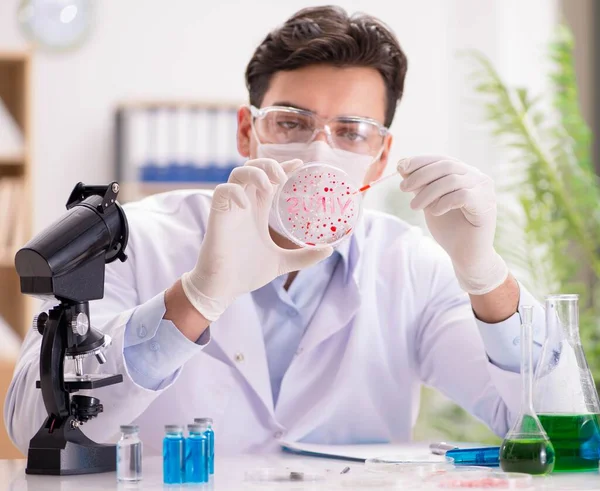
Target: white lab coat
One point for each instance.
(358, 372)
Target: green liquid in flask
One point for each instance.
(528, 456)
(576, 440)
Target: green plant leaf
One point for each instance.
(555, 237)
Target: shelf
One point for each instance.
(179, 104)
(131, 191)
(7, 261)
(12, 159)
(13, 56)
(170, 186)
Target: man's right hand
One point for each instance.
(237, 254)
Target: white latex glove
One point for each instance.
(459, 203)
(237, 254)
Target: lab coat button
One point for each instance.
(239, 357)
(142, 331)
(154, 346)
(292, 312)
(278, 434)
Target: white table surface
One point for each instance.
(230, 476)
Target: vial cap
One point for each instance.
(129, 429)
(196, 428)
(203, 421)
(173, 428)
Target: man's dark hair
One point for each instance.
(328, 35)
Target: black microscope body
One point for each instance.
(66, 261)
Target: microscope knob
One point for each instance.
(80, 324)
(100, 357)
(39, 322)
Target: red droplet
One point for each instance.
(326, 189)
(339, 219)
(324, 225)
(347, 192)
(333, 229)
(310, 243)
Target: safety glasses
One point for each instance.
(281, 124)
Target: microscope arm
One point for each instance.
(52, 355)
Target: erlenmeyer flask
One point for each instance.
(565, 396)
(526, 447)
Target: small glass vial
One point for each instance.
(210, 434)
(129, 455)
(196, 456)
(173, 455)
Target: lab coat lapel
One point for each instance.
(239, 335)
(340, 302)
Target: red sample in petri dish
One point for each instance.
(318, 206)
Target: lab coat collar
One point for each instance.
(351, 251)
(342, 298)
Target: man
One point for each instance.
(216, 314)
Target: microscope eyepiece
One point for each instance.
(61, 260)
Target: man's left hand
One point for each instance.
(459, 203)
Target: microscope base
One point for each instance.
(68, 451)
(73, 459)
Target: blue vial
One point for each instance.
(173, 455)
(196, 455)
(210, 434)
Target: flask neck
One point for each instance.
(562, 317)
(526, 369)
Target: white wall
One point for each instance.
(145, 49)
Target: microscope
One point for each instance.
(66, 262)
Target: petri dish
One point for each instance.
(279, 476)
(318, 206)
(459, 479)
(410, 463)
(380, 482)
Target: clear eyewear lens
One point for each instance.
(289, 126)
(285, 127)
(357, 136)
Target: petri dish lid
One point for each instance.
(318, 206)
(380, 482)
(273, 475)
(407, 460)
(458, 479)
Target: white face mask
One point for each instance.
(354, 164)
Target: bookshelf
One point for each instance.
(15, 168)
(163, 145)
